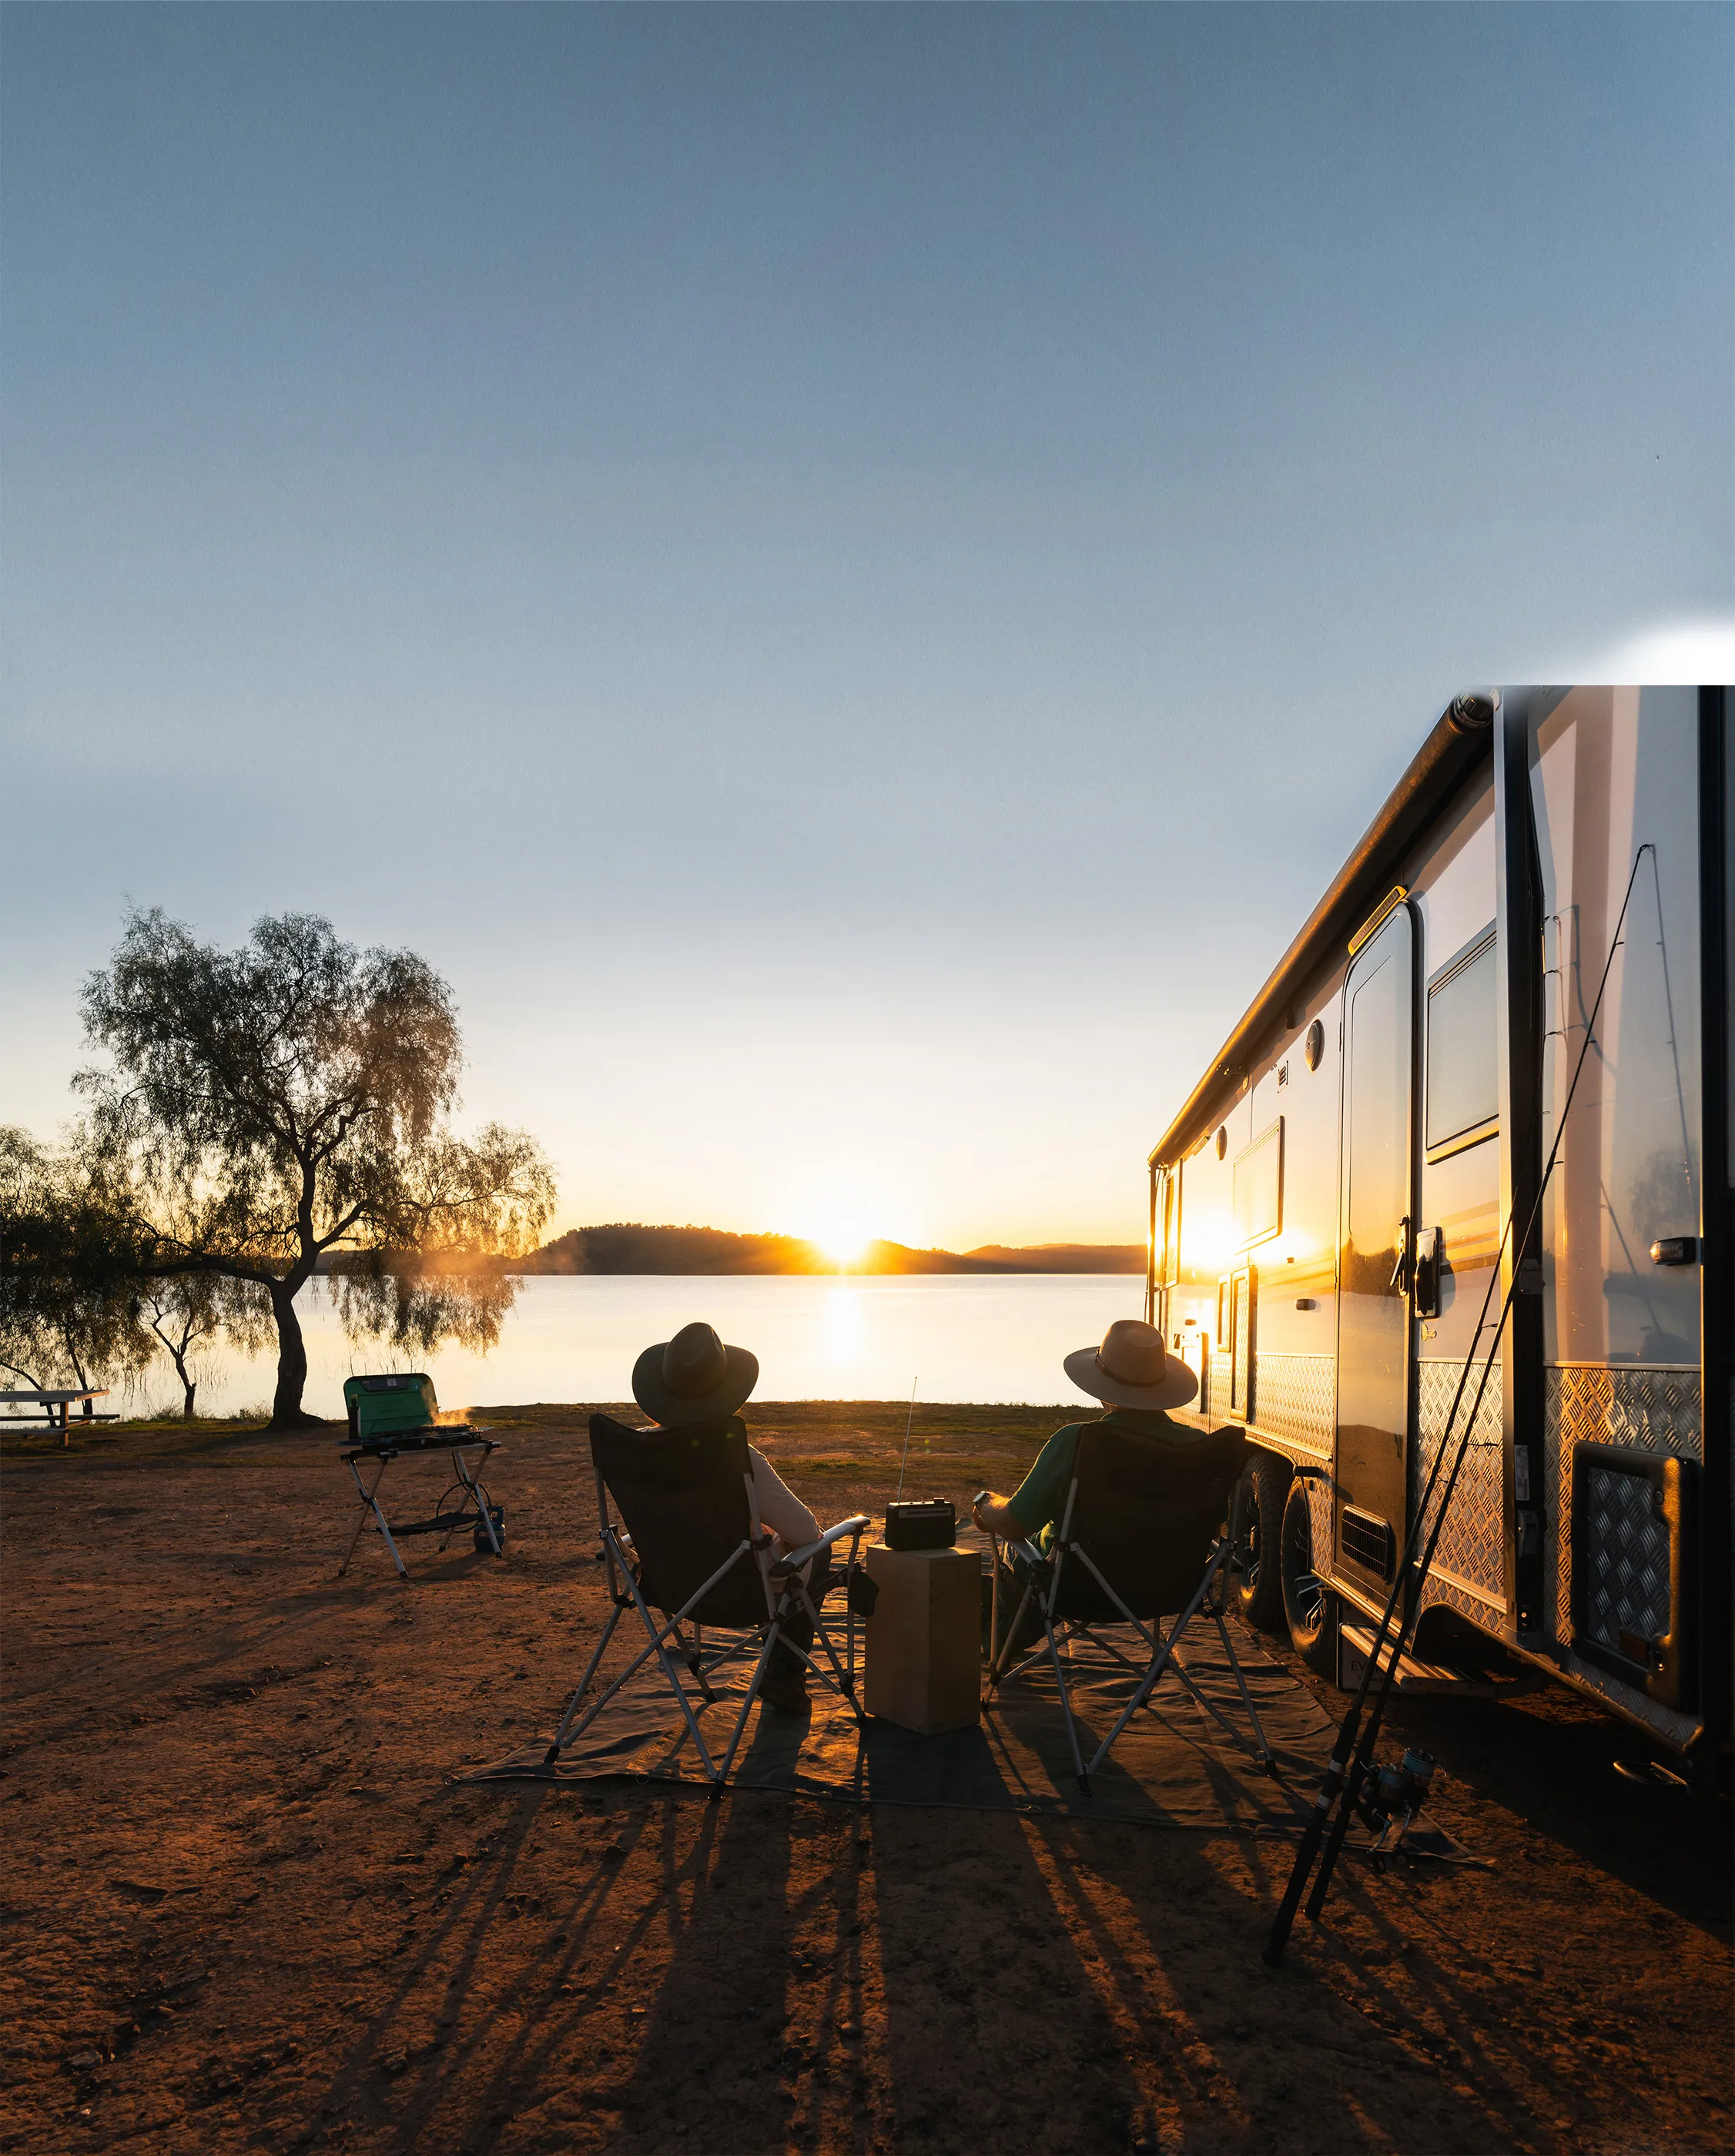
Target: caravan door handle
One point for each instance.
(1406, 1256)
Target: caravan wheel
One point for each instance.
(1309, 1606)
(1258, 1589)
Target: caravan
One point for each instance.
(1326, 1209)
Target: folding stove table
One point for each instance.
(391, 1416)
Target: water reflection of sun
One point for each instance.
(843, 1324)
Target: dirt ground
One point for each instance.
(246, 1905)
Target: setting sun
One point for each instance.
(844, 1238)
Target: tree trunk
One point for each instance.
(286, 1409)
(177, 1356)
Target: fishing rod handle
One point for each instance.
(1283, 1922)
(1333, 1849)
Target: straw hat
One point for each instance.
(1132, 1368)
(693, 1377)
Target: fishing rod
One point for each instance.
(1341, 1786)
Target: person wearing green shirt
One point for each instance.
(1137, 1380)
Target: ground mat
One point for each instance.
(1174, 1765)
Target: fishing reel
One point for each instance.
(1390, 1796)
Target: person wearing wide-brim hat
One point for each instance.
(695, 1381)
(1137, 1380)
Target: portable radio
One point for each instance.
(920, 1523)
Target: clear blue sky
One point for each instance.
(847, 574)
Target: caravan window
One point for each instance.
(1463, 1063)
(1257, 1187)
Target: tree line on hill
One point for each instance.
(626, 1246)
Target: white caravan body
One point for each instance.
(1327, 1208)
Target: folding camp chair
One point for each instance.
(1137, 1518)
(391, 1416)
(688, 1545)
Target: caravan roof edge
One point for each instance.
(1461, 738)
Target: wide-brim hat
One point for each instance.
(1132, 1368)
(693, 1377)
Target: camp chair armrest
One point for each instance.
(1014, 1546)
(794, 1560)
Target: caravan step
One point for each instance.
(1355, 1646)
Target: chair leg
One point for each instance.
(773, 1634)
(1160, 1661)
(1054, 1654)
(1003, 1648)
(695, 1663)
(846, 1684)
(654, 1647)
(590, 1669)
(657, 1636)
(1262, 1754)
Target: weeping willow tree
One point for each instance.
(69, 1271)
(269, 1112)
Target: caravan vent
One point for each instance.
(1367, 1540)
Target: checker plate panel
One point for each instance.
(1629, 1590)
(1298, 1398)
(1472, 1543)
(1651, 1407)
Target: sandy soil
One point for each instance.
(246, 1906)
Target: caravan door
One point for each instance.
(1375, 1253)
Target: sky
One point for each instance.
(847, 575)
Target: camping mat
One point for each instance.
(1173, 1766)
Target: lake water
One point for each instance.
(961, 1337)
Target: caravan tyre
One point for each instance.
(1257, 1592)
(1309, 1607)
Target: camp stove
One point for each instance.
(1391, 1796)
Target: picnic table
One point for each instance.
(53, 1407)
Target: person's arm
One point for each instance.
(780, 1509)
(993, 1514)
(1038, 1498)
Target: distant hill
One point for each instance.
(1063, 1257)
(628, 1247)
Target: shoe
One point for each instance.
(786, 1691)
(785, 1680)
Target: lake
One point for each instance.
(960, 1336)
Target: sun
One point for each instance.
(844, 1238)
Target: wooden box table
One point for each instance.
(924, 1640)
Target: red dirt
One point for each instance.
(246, 1907)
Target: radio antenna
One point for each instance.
(909, 1423)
